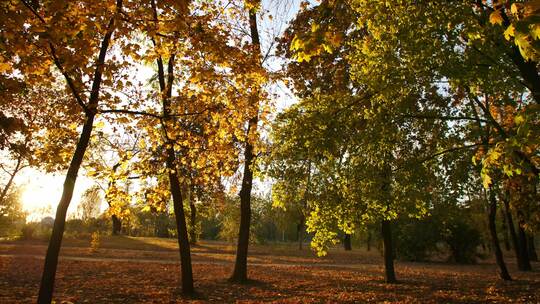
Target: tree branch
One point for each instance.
(435, 117)
(132, 112)
(58, 63)
(487, 113)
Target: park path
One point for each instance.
(223, 258)
(176, 261)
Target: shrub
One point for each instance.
(28, 231)
(95, 242)
(462, 240)
(416, 240)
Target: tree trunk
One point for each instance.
(162, 225)
(193, 220)
(513, 235)
(368, 240)
(347, 242)
(116, 225)
(11, 177)
(165, 85)
(174, 183)
(531, 248)
(181, 227)
(527, 68)
(528, 71)
(523, 250)
(503, 271)
(388, 251)
(505, 231)
(51, 258)
(300, 233)
(240, 266)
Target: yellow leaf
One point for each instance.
(296, 44)
(515, 8)
(494, 155)
(4, 67)
(486, 180)
(496, 17)
(509, 32)
(335, 39)
(327, 48)
(142, 144)
(519, 119)
(535, 31)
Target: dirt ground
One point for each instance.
(146, 270)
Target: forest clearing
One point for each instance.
(280, 273)
(323, 151)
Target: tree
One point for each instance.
(452, 48)
(12, 215)
(195, 114)
(240, 266)
(53, 34)
(369, 163)
(19, 153)
(90, 203)
(112, 161)
(22, 121)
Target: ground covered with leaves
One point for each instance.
(127, 275)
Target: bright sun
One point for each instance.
(42, 192)
(36, 201)
(32, 198)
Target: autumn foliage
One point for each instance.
(414, 122)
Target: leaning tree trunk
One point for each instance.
(11, 178)
(51, 258)
(347, 242)
(388, 252)
(527, 68)
(503, 271)
(240, 266)
(46, 287)
(513, 235)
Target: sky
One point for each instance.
(42, 191)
